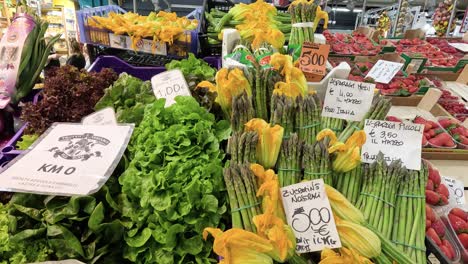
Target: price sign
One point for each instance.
(103, 117)
(384, 71)
(395, 140)
(170, 84)
(68, 159)
(456, 191)
(314, 58)
(309, 214)
(347, 100)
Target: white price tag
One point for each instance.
(103, 117)
(460, 46)
(68, 159)
(456, 191)
(347, 99)
(309, 214)
(395, 140)
(170, 84)
(384, 71)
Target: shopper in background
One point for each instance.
(76, 58)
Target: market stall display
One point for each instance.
(243, 164)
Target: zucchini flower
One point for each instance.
(347, 155)
(229, 84)
(319, 15)
(292, 75)
(344, 255)
(282, 88)
(238, 246)
(269, 141)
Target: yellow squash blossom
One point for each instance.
(348, 154)
(238, 246)
(293, 76)
(342, 255)
(229, 84)
(269, 141)
(279, 234)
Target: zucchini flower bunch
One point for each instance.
(295, 83)
(229, 84)
(274, 239)
(269, 141)
(348, 154)
(344, 256)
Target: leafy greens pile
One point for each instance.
(68, 95)
(193, 67)
(173, 187)
(128, 96)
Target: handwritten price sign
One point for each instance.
(170, 84)
(309, 214)
(395, 140)
(314, 58)
(384, 71)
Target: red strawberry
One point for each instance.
(442, 190)
(439, 228)
(463, 239)
(424, 141)
(393, 119)
(443, 200)
(432, 197)
(431, 233)
(419, 120)
(428, 223)
(430, 185)
(460, 213)
(446, 252)
(434, 176)
(430, 215)
(458, 224)
(449, 246)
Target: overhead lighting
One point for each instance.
(357, 10)
(341, 9)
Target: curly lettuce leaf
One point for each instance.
(192, 66)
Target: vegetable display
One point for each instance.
(173, 188)
(68, 96)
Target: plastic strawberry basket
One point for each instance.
(98, 36)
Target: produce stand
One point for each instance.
(302, 149)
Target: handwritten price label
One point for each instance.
(309, 214)
(314, 58)
(347, 100)
(456, 191)
(384, 71)
(395, 140)
(104, 117)
(170, 84)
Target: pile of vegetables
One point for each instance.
(160, 27)
(305, 16)
(173, 188)
(68, 95)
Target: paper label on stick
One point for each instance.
(309, 214)
(347, 99)
(313, 59)
(456, 191)
(103, 117)
(395, 140)
(68, 159)
(384, 71)
(170, 84)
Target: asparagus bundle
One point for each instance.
(242, 112)
(332, 123)
(301, 14)
(308, 118)
(410, 216)
(242, 187)
(349, 183)
(243, 147)
(378, 111)
(289, 161)
(316, 162)
(282, 113)
(378, 196)
(262, 82)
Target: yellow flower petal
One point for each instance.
(327, 133)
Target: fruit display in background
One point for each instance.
(458, 219)
(404, 8)
(456, 130)
(437, 193)
(441, 18)
(436, 231)
(354, 44)
(383, 24)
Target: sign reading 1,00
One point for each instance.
(170, 89)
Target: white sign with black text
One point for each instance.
(68, 159)
(395, 140)
(170, 84)
(103, 117)
(384, 71)
(347, 99)
(309, 214)
(456, 191)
